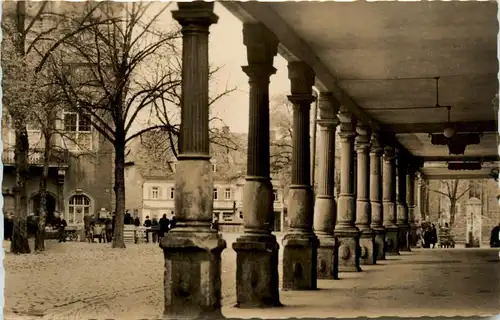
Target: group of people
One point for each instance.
(159, 228)
(100, 228)
(429, 236)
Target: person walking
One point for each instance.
(433, 236)
(164, 223)
(495, 237)
(62, 233)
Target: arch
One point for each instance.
(79, 204)
(50, 206)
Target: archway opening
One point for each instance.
(50, 206)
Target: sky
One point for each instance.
(226, 49)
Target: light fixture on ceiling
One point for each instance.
(448, 130)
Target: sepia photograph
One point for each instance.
(249, 159)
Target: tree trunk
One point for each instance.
(118, 241)
(19, 242)
(40, 232)
(453, 208)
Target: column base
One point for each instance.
(349, 250)
(413, 236)
(367, 247)
(328, 257)
(403, 237)
(380, 247)
(300, 256)
(257, 280)
(192, 276)
(391, 240)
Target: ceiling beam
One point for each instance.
(491, 158)
(292, 47)
(460, 127)
(457, 176)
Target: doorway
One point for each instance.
(50, 206)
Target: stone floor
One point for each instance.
(84, 281)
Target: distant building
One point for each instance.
(477, 209)
(150, 185)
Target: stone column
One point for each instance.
(389, 202)
(61, 174)
(300, 245)
(257, 250)
(402, 207)
(410, 200)
(376, 196)
(345, 230)
(192, 276)
(363, 208)
(325, 209)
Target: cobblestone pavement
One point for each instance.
(84, 281)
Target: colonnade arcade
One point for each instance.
(373, 216)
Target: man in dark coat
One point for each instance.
(164, 222)
(495, 237)
(62, 233)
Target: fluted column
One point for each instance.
(376, 196)
(402, 207)
(363, 207)
(410, 200)
(325, 209)
(345, 229)
(300, 245)
(192, 278)
(389, 201)
(257, 250)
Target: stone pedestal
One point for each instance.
(256, 272)
(380, 246)
(349, 251)
(328, 259)
(192, 280)
(299, 261)
(392, 240)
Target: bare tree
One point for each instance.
(20, 88)
(281, 123)
(107, 84)
(451, 193)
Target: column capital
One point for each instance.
(347, 123)
(195, 16)
(363, 138)
(389, 153)
(301, 99)
(376, 145)
(261, 43)
(259, 72)
(301, 77)
(328, 106)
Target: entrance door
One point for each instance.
(50, 206)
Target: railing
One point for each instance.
(35, 157)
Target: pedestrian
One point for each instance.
(164, 223)
(137, 222)
(62, 233)
(109, 228)
(433, 236)
(173, 221)
(147, 224)
(155, 228)
(495, 237)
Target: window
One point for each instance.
(75, 122)
(155, 193)
(276, 195)
(214, 167)
(215, 194)
(79, 206)
(227, 216)
(474, 189)
(172, 193)
(227, 194)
